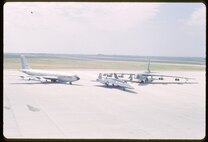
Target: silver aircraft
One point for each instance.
(45, 76)
(113, 80)
(148, 77)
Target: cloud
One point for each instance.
(107, 28)
(114, 16)
(103, 16)
(194, 33)
(197, 19)
(71, 26)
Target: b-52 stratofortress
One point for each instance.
(148, 77)
(113, 80)
(45, 76)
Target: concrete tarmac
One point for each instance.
(87, 109)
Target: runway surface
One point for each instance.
(87, 109)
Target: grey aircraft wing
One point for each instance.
(160, 75)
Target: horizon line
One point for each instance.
(105, 54)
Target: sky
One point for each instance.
(143, 29)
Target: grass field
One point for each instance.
(70, 63)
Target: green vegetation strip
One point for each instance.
(62, 63)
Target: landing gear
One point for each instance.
(106, 84)
(146, 80)
(143, 81)
(70, 83)
(160, 78)
(177, 79)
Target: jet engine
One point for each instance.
(25, 78)
(146, 80)
(177, 79)
(138, 76)
(43, 80)
(160, 78)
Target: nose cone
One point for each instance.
(78, 78)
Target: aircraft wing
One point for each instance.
(172, 83)
(121, 75)
(128, 80)
(125, 73)
(149, 74)
(45, 78)
(159, 75)
(39, 77)
(101, 81)
(29, 78)
(125, 85)
(48, 77)
(166, 83)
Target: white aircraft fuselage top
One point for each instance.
(115, 82)
(50, 74)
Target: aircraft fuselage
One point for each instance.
(57, 76)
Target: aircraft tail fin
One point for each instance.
(24, 63)
(100, 76)
(115, 75)
(148, 67)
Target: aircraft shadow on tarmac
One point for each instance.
(32, 108)
(7, 107)
(119, 88)
(45, 83)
